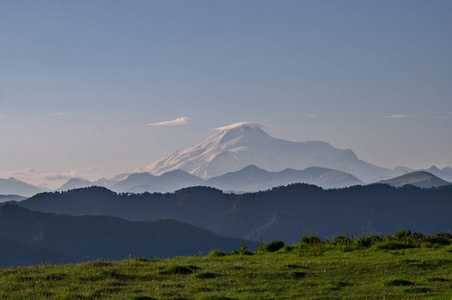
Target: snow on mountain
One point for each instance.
(236, 146)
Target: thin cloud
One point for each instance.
(401, 116)
(176, 122)
(56, 114)
(59, 175)
(94, 169)
(27, 171)
(312, 115)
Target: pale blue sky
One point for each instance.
(80, 79)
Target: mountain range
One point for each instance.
(252, 179)
(280, 213)
(249, 179)
(241, 157)
(239, 145)
(12, 186)
(444, 173)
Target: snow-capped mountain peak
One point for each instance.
(233, 147)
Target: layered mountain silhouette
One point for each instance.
(30, 237)
(7, 198)
(236, 146)
(13, 186)
(248, 179)
(252, 178)
(75, 183)
(170, 181)
(281, 213)
(419, 178)
(444, 173)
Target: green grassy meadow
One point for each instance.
(309, 270)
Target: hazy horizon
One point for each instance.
(94, 89)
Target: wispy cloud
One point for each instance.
(94, 169)
(59, 175)
(56, 114)
(176, 122)
(312, 115)
(28, 171)
(401, 116)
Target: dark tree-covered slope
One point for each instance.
(30, 237)
(281, 213)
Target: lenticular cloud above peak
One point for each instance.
(240, 125)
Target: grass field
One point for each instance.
(314, 271)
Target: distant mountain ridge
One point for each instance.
(236, 146)
(279, 213)
(252, 179)
(444, 173)
(256, 179)
(421, 179)
(75, 183)
(7, 198)
(168, 182)
(13, 186)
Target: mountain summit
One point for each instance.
(233, 147)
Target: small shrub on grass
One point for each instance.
(311, 245)
(240, 252)
(288, 248)
(310, 240)
(273, 246)
(216, 253)
(418, 236)
(367, 241)
(439, 239)
(402, 235)
(243, 249)
(341, 240)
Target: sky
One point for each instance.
(87, 86)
